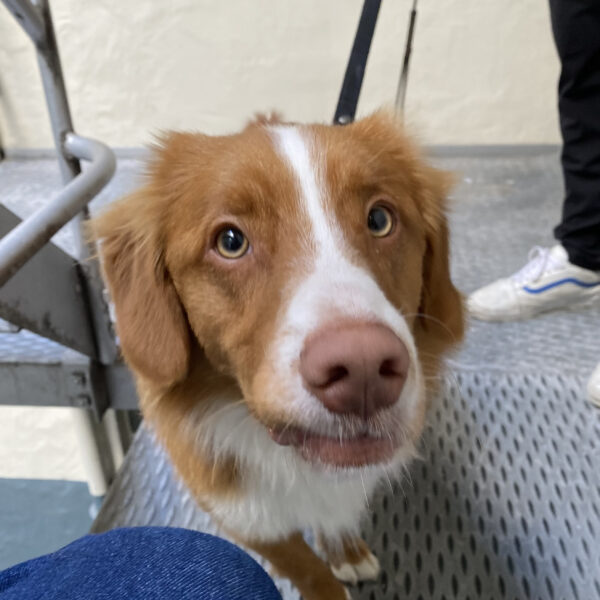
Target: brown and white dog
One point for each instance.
(283, 297)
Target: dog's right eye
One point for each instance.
(232, 243)
(380, 221)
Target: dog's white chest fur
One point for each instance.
(281, 493)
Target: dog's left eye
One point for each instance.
(232, 243)
(380, 221)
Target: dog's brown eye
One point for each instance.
(380, 221)
(231, 243)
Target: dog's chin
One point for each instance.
(341, 453)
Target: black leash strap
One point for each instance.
(355, 71)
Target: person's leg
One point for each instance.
(576, 28)
(568, 275)
(145, 563)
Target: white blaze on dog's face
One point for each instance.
(337, 293)
(311, 264)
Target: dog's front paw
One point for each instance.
(366, 570)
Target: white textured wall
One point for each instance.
(483, 72)
(38, 443)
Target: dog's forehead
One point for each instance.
(291, 186)
(333, 175)
(268, 169)
(298, 149)
(284, 157)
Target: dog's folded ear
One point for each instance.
(151, 324)
(441, 303)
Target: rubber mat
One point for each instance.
(505, 499)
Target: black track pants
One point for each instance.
(576, 27)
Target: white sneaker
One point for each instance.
(593, 386)
(547, 282)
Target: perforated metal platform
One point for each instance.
(505, 502)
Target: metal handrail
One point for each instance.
(32, 235)
(20, 244)
(30, 19)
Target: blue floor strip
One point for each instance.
(40, 516)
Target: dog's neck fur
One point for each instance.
(252, 486)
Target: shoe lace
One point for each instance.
(539, 261)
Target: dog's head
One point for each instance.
(309, 264)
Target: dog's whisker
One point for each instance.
(387, 476)
(435, 320)
(362, 481)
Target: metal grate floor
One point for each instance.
(505, 501)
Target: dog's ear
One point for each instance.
(151, 324)
(441, 305)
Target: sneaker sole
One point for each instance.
(595, 400)
(587, 299)
(593, 393)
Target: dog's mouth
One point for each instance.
(345, 452)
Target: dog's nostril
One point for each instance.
(389, 368)
(334, 374)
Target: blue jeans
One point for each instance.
(144, 563)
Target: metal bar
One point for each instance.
(32, 385)
(30, 19)
(36, 371)
(403, 81)
(120, 387)
(47, 296)
(52, 383)
(94, 452)
(56, 95)
(97, 301)
(113, 435)
(64, 384)
(18, 246)
(62, 126)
